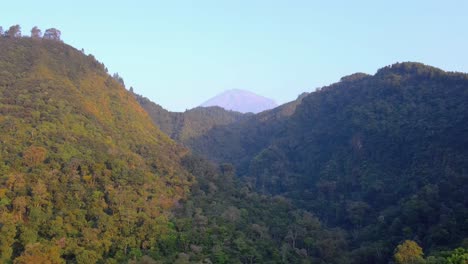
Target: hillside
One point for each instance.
(84, 174)
(355, 172)
(382, 156)
(241, 101)
(85, 177)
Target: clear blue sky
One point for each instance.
(180, 53)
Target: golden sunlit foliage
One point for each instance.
(409, 252)
(84, 174)
(34, 155)
(341, 175)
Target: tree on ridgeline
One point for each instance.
(36, 33)
(118, 78)
(13, 32)
(1, 31)
(52, 34)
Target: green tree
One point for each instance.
(7, 235)
(459, 256)
(118, 78)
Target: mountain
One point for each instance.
(193, 123)
(355, 172)
(383, 156)
(85, 176)
(241, 101)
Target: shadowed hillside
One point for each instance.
(382, 156)
(193, 123)
(239, 142)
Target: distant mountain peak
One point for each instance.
(241, 101)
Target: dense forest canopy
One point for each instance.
(84, 175)
(383, 157)
(372, 169)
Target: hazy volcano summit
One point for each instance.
(241, 101)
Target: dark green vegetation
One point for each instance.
(226, 222)
(383, 157)
(367, 170)
(239, 142)
(221, 135)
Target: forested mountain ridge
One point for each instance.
(85, 177)
(84, 174)
(342, 175)
(382, 156)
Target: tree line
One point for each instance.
(36, 33)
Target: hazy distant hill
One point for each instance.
(241, 101)
(207, 130)
(193, 123)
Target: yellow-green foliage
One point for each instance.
(409, 252)
(84, 174)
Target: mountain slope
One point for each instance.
(86, 178)
(83, 170)
(382, 156)
(241, 101)
(387, 150)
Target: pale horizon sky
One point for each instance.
(181, 53)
